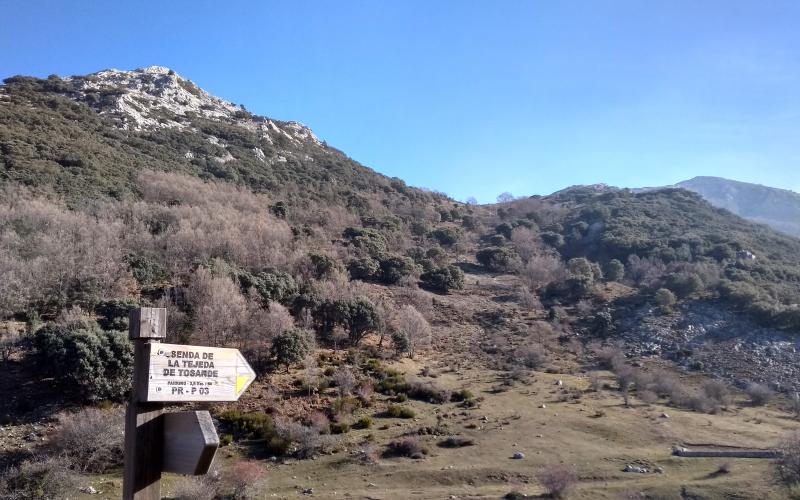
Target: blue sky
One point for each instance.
(471, 98)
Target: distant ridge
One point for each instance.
(777, 208)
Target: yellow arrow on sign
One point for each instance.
(242, 381)
(244, 374)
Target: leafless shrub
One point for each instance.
(644, 272)
(318, 421)
(412, 295)
(406, 447)
(456, 442)
(16, 287)
(542, 332)
(75, 315)
(310, 443)
(263, 325)
(57, 256)
(338, 286)
(411, 322)
(546, 212)
(595, 381)
(338, 336)
(312, 374)
(681, 396)
(364, 392)
(788, 461)
(528, 299)
(531, 356)
(558, 480)
(693, 399)
(369, 453)
(609, 356)
(584, 307)
(575, 346)
(409, 281)
(92, 439)
(794, 402)
(42, 477)
(526, 242)
(243, 480)
(428, 390)
(642, 379)
(543, 269)
(332, 218)
(10, 342)
(271, 395)
(717, 392)
(759, 394)
(345, 381)
(516, 374)
(626, 376)
(647, 396)
(664, 383)
(307, 440)
(195, 488)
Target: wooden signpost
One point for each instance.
(179, 442)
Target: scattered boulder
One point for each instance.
(635, 468)
(518, 455)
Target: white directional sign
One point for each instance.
(183, 373)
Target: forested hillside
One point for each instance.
(76, 136)
(673, 238)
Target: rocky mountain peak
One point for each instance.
(158, 97)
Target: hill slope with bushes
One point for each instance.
(378, 316)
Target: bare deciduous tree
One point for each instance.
(263, 325)
(312, 374)
(505, 197)
(543, 269)
(219, 309)
(345, 381)
(415, 326)
(338, 336)
(526, 242)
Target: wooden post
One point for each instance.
(144, 424)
